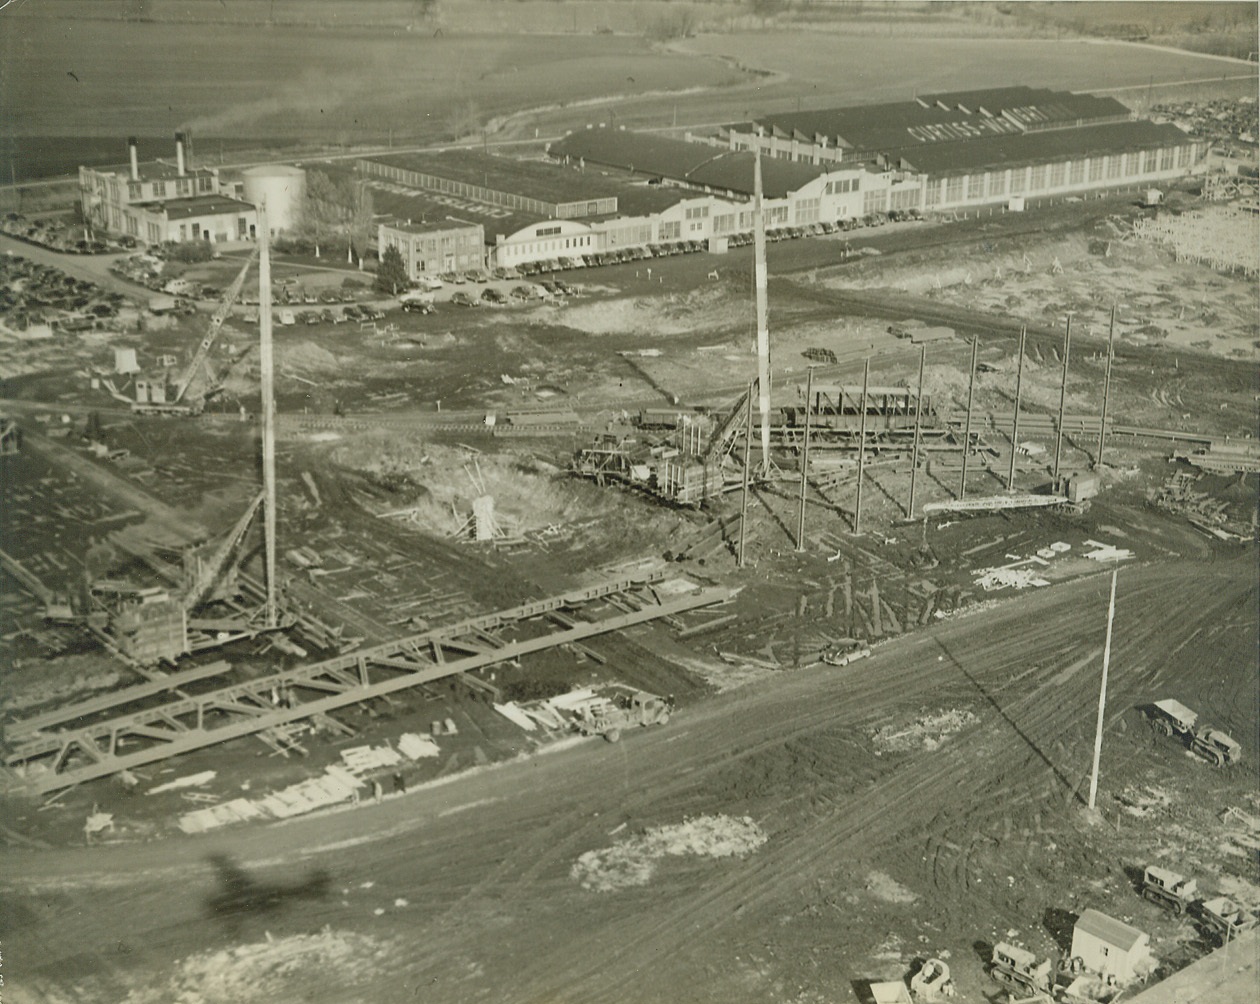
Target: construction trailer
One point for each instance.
(1108, 947)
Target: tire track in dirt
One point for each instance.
(873, 821)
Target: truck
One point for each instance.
(1169, 889)
(1173, 718)
(628, 709)
(1021, 970)
(1225, 919)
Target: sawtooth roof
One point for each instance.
(529, 178)
(935, 118)
(679, 160)
(1000, 152)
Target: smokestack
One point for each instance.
(135, 158)
(179, 153)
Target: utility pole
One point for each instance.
(857, 508)
(743, 505)
(971, 393)
(918, 429)
(1019, 386)
(267, 372)
(1102, 693)
(763, 324)
(1102, 424)
(1058, 435)
(809, 406)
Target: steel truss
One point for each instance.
(55, 760)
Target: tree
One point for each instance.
(391, 274)
(321, 215)
(360, 215)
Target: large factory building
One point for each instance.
(163, 200)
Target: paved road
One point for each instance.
(484, 863)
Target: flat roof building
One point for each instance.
(435, 246)
(525, 186)
(107, 193)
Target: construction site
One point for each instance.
(864, 617)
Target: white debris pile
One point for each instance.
(925, 733)
(417, 747)
(885, 887)
(333, 787)
(271, 970)
(1143, 801)
(361, 759)
(189, 781)
(632, 861)
(1006, 577)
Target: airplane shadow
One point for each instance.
(239, 896)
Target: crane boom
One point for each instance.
(216, 322)
(201, 576)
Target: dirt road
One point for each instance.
(465, 889)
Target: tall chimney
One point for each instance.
(135, 159)
(179, 153)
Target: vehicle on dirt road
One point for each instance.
(1225, 919)
(1169, 889)
(629, 709)
(1174, 718)
(1021, 970)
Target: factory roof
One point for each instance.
(427, 226)
(531, 179)
(430, 210)
(153, 170)
(679, 160)
(937, 118)
(999, 152)
(199, 205)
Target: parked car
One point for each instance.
(452, 278)
(566, 289)
(462, 299)
(476, 275)
(565, 262)
(492, 295)
(352, 313)
(329, 317)
(417, 307)
(550, 287)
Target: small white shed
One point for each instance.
(1108, 946)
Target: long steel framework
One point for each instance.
(55, 760)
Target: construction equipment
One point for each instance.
(630, 709)
(1168, 889)
(1225, 919)
(1021, 970)
(932, 981)
(155, 397)
(1174, 718)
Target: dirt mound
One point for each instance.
(671, 314)
(268, 970)
(305, 356)
(927, 732)
(633, 861)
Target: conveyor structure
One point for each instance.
(51, 760)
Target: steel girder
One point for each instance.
(178, 726)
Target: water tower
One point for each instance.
(284, 189)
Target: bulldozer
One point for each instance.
(628, 709)
(1168, 889)
(1020, 970)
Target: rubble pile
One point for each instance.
(633, 861)
(267, 969)
(925, 733)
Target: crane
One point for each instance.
(150, 403)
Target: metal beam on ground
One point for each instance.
(244, 709)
